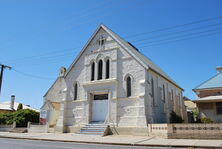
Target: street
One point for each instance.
(36, 144)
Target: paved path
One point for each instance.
(36, 144)
(115, 140)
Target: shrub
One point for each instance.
(21, 117)
(206, 120)
(20, 107)
(174, 118)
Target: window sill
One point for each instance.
(98, 82)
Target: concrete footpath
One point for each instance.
(115, 140)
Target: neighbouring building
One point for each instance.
(12, 105)
(209, 100)
(191, 108)
(111, 81)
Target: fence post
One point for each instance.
(170, 130)
(47, 127)
(14, 125)
(29, 125)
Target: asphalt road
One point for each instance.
(35, 144)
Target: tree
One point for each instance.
(174, 118)
(20, 107)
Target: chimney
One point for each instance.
(219, 69)
(12, 102)
(62, 71)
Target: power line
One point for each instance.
(46, 58)
(173, 33)
(55, 55)
(172, 41)
(52, 53)
(32, 76)
(195, 33)
(175, 26)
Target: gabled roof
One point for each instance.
(214, 82)
(143, 60)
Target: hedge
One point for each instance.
(21, 117)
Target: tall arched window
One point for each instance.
(152, 91)
(107, 69)
(172, 98)
(100, 70)
(128, 86)
(164, 95)
(75, 91)
(92, 71)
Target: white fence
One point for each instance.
(7, 127)
(186, 131)
(36, 128)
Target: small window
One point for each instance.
(92, 71)
(75, 91)
(219, 107)
(102, 41)
(128, 86)
(100, 70)
(107, 69)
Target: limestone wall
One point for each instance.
(36, 128)
(186, 131)
(5, 127)
(121, 65)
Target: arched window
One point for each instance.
(92, 71)
(128, 86)
(100, 70)
(172, 98)
(75, 91)
(107, 69)
(164, 95)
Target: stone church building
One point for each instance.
(111, 82)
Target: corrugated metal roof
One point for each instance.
(5, 107)
(214, 82)
(210, 99)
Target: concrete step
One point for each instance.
(93, 129)
(91, 133)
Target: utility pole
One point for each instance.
(1, 75)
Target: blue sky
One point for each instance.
(37, 37)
